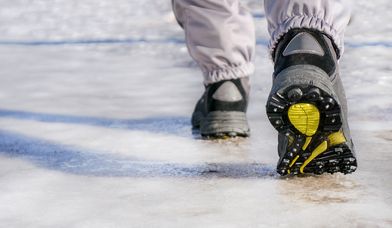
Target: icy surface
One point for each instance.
(95, 105)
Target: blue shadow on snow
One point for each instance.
(132, 41)
(76, 161)
(179, 126)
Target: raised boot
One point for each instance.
(308, 107)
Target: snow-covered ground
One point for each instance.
(95, 105)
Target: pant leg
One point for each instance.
(220, 37)
(328, 16)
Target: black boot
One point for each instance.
(308, 107)
(221, 111)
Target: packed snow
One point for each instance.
(95, 105)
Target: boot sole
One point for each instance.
(223, 125)
(304, 108)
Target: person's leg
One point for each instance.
(220, 37)
(307, 104)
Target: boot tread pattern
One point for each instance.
(311, 119)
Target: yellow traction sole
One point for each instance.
(334, 139)
(305, 118)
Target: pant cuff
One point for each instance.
(235, 72)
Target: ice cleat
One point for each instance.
(221, 111)
(308, 107)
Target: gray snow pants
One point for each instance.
(220, 34)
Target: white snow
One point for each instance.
(95, 129)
